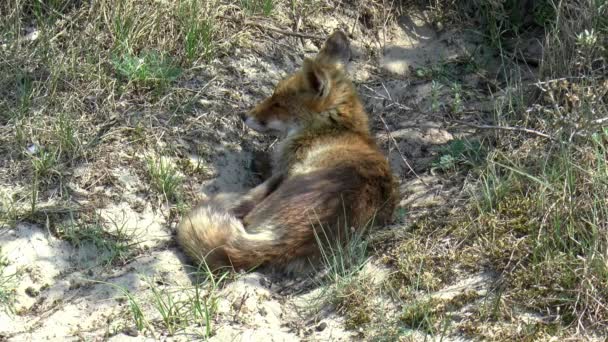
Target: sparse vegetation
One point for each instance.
(99, 245)
(164, 177)
(253, 7)
(344, 284)
(175, 308)
(459, 152)
(8, 282)
(537, 212)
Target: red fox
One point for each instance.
(327, 174)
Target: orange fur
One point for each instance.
(327, 173)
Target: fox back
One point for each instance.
(329, 179)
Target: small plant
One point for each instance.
(203, 310)
(173, 311)
(7, 286)
(344, 285)
(66, 133)
(457, 101)
(44, 162)
(105, 247)
(435, 93)
(164, 177)
(198, 32)
(253, 7)
(25, 91)
(422, 315)
(459, 152)
(178, 311)
(139, 318)
(344, 257)
(148, 68)
(8, 210)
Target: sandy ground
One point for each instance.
(65, 294)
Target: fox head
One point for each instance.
(317, 94)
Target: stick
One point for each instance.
(392, 139)
(284, 32)
(504, 128)
(274, 29)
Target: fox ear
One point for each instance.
(317, 78)
(336, 49)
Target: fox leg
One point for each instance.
(256, 195)
(261, 165)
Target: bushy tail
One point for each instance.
(213, 236)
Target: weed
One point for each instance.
(164, 177)
(253, 7)
(148, 68)
(44, 163)
(9, 211)
(198, 32)
(172, 310)
(181, 307)
(69, 144)
(422, 315)
(432, 315)
(137, 314)
(457, 100)
(435, 93)
(459, 152)
(421, 264)
(204, 310)
(7, 285)
(344, 285)
(95, 242)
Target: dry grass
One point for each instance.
(537, 214)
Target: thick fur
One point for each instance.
(328, 175)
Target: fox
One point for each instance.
(328, 176)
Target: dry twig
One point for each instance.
(504, 128)
(259, 25)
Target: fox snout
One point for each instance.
(252, 122)
(256, 125)
(270, 125)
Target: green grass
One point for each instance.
(177, 307)
(135, 308)
(180, 307)
(44, 162)
(459, 153)
(344, 286)
(172, 310)
(199, 32)
(8, 210)
(151, 69)
(253, 7)
(66, 132)
(98, 244)
(536, 215)
(164, 177)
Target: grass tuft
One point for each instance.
(150, 69)
(98, 244)
(8, 283)
(254, 7)
(164, 177)
(199, 32)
